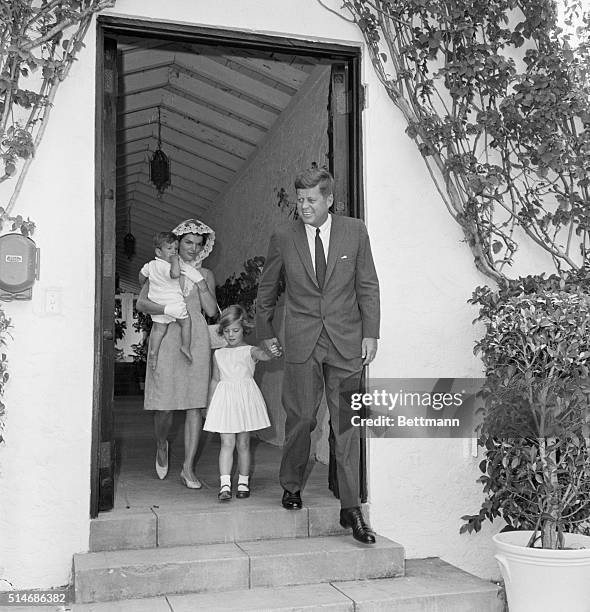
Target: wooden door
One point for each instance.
(103, 471)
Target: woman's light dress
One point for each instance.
(177, 384)
(237, 404)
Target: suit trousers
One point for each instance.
(303, 386)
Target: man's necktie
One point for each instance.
(320, 259)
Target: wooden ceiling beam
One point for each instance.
(145, 58)
(140, 175)
(176, 152)
(140, 101)
(182, 141)
(223, 101)
(213, 117)
(150, 129)
(188, 125)
(198, 165)
(144, 80)
(238, 81)
(147, 194)
(276, 70)
(189, 207)
(184, 104)
(184, 194)
(152, 222)
(186, 180)
(202, 178)
(148, 226)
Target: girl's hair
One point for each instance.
(231, 315)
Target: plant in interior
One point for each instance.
(242, 289)
(143, 324)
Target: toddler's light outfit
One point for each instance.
(163, 290)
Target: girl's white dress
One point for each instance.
(237, 404)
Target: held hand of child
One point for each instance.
(272, 347)
(174, 310)
(259, 354)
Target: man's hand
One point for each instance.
(368, 350)
(273, 347)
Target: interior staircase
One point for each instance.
(246, 555)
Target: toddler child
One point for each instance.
(237, 406)
(163, 273)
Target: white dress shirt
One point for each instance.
(324, 236)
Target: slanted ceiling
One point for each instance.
(217, 105)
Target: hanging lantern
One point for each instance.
(160, 164)
(129, 239)
(129, 245)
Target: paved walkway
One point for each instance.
(138, 487)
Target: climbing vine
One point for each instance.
(39, 41)
(496, 96)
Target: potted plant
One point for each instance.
(242, 289)
(536, 466)
(142, 323)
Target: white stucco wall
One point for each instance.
(45, 463)
(418, 489)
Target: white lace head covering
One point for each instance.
(194, 226)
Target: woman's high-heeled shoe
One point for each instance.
(162, 470)
(189, 484)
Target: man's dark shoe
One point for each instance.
(291, 501)
(353, 517)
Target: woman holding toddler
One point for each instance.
(178, 382)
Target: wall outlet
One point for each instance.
(53, 301)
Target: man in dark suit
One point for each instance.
(331, 331)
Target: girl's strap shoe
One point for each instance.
(224, 493)
(243, 491)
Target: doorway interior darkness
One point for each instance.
(211, 97)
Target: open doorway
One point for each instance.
(237, 116)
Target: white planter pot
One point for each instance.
(539, 580)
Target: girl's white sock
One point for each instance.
(225, 479)
(243, 480)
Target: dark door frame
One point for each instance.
(116, 26)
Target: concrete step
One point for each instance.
(127, 574)
(218, 523)
(430, 585)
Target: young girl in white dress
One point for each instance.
(237, 406)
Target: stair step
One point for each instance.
(301, 598)
(211, 525)
(430, 585)
(321, 559)
(127, 574)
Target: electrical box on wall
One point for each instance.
(19, 267)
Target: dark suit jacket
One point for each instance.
(348, 306)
